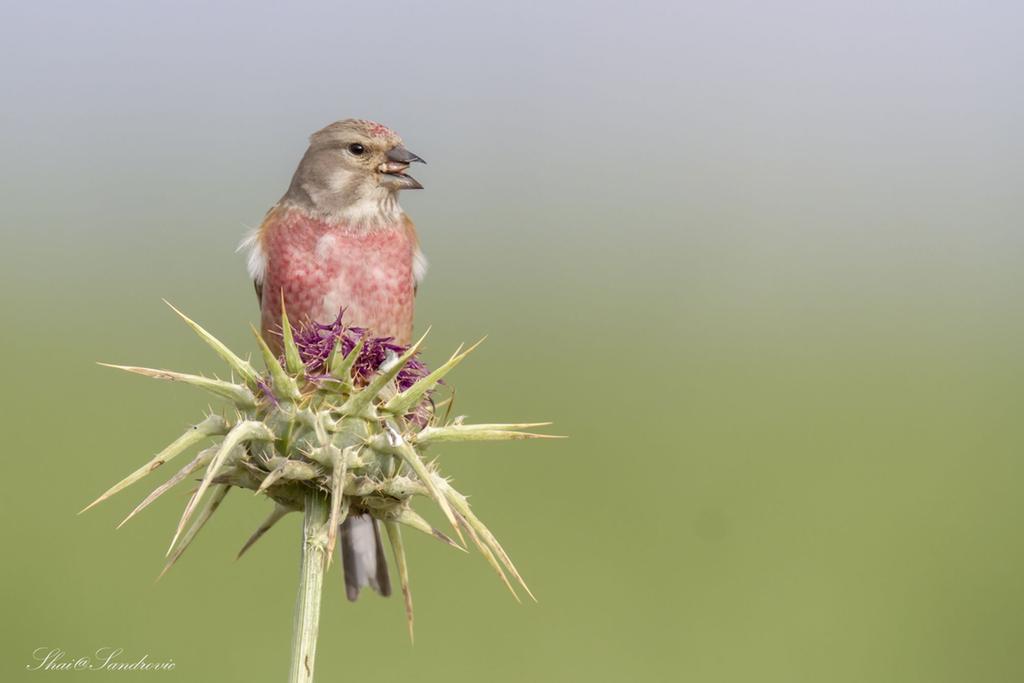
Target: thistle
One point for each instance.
(339, 424)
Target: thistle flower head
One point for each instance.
(317, 341)
(341, 414)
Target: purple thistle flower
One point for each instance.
(316, 341)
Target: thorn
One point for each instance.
(293, 360)
(397, 548)
(236, 393)
(240, 366)
(481, 530)
(409, 454)
(241, 432)
(201, 459)
(403, 402)
(457, 431)
(215, 500)
(275, 516)
(339, 504)
(281, 381)
(356, 403)
(411, 519)
(210, 426)
(488, 555)
(341, 367)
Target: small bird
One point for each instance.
(337, 240)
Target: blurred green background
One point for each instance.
(762, 263)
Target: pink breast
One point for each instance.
(322, 268)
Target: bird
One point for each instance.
(339, 240)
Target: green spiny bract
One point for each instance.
(359, 440)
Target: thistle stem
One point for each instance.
(306, 625)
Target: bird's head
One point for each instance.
(353, 171)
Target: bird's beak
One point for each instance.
(398, 160)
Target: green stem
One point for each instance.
(311, 581)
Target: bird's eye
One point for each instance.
(356, 149)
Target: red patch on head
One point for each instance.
(379, 130)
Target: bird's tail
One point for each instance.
(362, 555)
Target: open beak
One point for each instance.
(398, 160)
